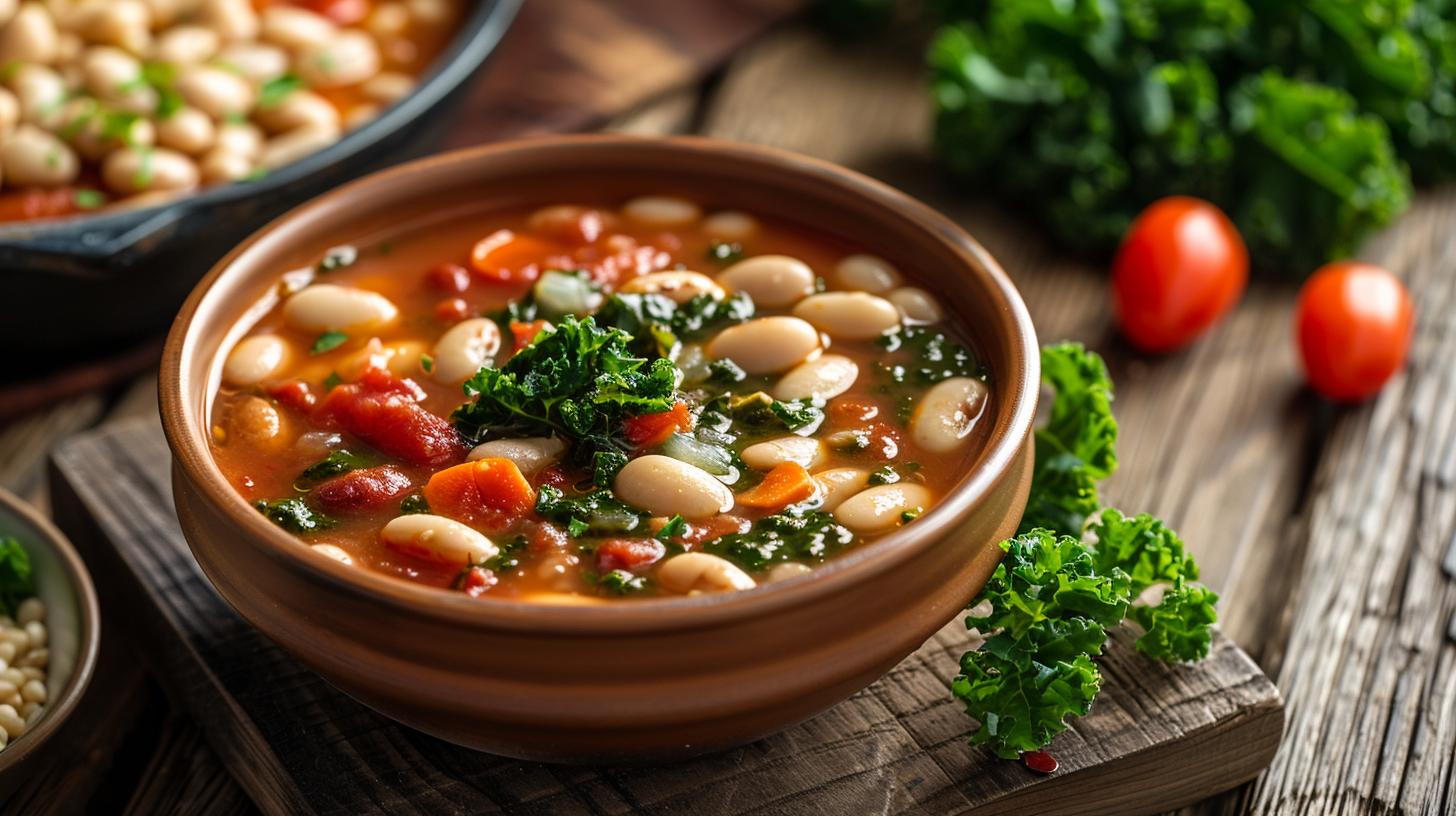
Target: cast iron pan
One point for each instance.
(85, 287)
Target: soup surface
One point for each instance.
(135, 101)
(584, 402)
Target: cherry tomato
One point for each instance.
(1353, 323)
(1181, 267)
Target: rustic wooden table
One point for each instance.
(1329, 532)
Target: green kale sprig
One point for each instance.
(16, 580)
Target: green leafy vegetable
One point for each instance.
(508, 557)
(596, 512)
(786, 536)
(275, 90)
(925, 356)
(89, 199)
(660, 326)
(620, 582)
(328, 341)
(294, 515)
(883, 476)
(337, 462)
(413, 504)
(1076, 449)
(16, 581)
(675, 526)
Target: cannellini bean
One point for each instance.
(947, 414)
(730, 226)
(530, 454)
(40, 92)
(766, 345)
(436, 538)
(34, 691)
(879, 508)
(129, 171)
(787, 570)
(329, 307)
(824, 377)
(294, 145)
(348, 58)
(387, 87)
(804, 450)
(300, 109)
(8, 688)
(849, 315)
(916, 305)
(295, 28)
(666, 487)
(187, 44)
(223, 165)
(29, 37)
(679, 287)
(31, 157)
(30, 610)
(231, 19)
(333, 551)
(11, 721)
(838, 484)
(122, 23)
(242, 138)
(430, 12)
(9, 113)
(187, 130)
(773, 281)
(695, 572)
(165, 12)
(36, 631)
(388, 19)
(95, 135)
(220, 94)
(867, 273)
(257, 61)
(7, 653)
(255, 359)
(662, 211)
(465, 348)
(114, 76)
(257, 422)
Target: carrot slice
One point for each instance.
(786, 484)
(647, 430)
(490, 492)
(508, 257)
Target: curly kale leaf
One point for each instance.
(786, 536)
(1180, 627)
(16, 580)
(1022, 706)
(1076, 449)
(294, 515)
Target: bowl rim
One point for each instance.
(88, 643)
(196, 463)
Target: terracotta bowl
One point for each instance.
(632, 681)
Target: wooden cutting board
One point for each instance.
(1159, 736)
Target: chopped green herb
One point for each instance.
(328, 341)
(883, 476)
(908, 516)
(89, 199)
(597, 512)
(333, 381)
(257, 174)
(509, 556)
(930, 356)
(337, 462)
(275, 90)
(799, 414)
(337, 258)
(294, 515)
(675, 526)
(427, 363)
(16, 581)
(605, 467)
(414, 504)
(785, 536)
(144, 174)
(725, 372)
(620, 582)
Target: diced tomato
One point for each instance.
(847, 411)
(552, 476)
(547, 537)
(362, 489)
(382, 411)
(509, 257)
(884, 440)
(524, 333)
(294, 394)
(488, 492)
(627, 264)
(628, 554)
(25, 205)
(647, 430)
(475, 581)
(452, 310)
(715, 527)
(449, 277)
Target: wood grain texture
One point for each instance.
(296, 745)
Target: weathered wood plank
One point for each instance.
(895, 747)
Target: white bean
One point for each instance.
(257, 422)
(294, 145)
(388, 20)
(7, 653)
(787, 570)
(40, 92)
(436, 538)
(185, 45)
(804, 450)
(730, 225)
(867, 273)
(223, 165)
(11, 721)
(916, 305)
(431, 12)
(30, 609)
(838, 484)
(221, 94)
(389, 86)
(824, 378)
(401, 358)
(347, 59)
(679, 287)
(34, 691)
(666, 487)
(773, 281)
(31, 157)
(947, 414)
(36, 631)
(129, 171)
(232, 19)
(295, 28)
(257, 61)
(530, 455)
(849, 315)
(766, 345)
(360, 114)
(123, 23)
(880, 508)
(29, 37)
(465, 348)
(333, 551)
(255, 359)
(695, 572)
(187, 130)
(662, 211)
(241, 138)
(8, 688)
(9, 113)
(329, 307)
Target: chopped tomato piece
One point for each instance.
(546, 537)
(382, 411)
(568, 224)
(474, 581)
(647, 430)
(452, 310)
(553, 476)
(715, 527)
(490, 492)
(294, 394)
(34, 203)
(629, 554)
(363, 489)
(508, 257)
(788, 483)
(524, 333)
(449, 277)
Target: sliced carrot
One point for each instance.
(489, 492)
(648, 430)
(786, 484)
(509, 257)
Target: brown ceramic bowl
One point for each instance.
(631, 681)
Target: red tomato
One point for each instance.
(1353, 323)
(382, 411)
(449, 277)
(629, 553)
(362, 489)
(1181, 267)
(452, 310)
(647, 430)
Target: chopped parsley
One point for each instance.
(509, 556)
(427, 363)
(277, 89)
(675, 526)
(332, 381)
(336, 463)
(89, 199)
(328, 341)
(619, 582)
(414, 504)
(883, 476)
(294, 515)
